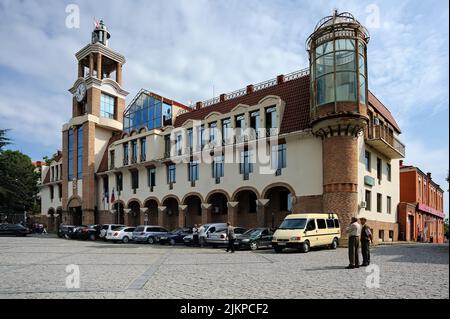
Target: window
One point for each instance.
(311, 225)
(336, 223)
(330, 223)
(171, 174)
(381, 234)
(134, 151)
(255, 123)
(201, 141)
(125, 153)
(193, 171)
(60, 191)
(53, 173)
(51, 193)
(190, 141)
(368, 199)
(80, 152)
(213, 133)
(379, 169)
(179, 144)
(389, 205)
(240, 128)
(321, 224)
(246, 164)
(146, 111)
(226, 127)
(70, 154)
(271, 120)
(119, 184)
(143, 149)
(278, 157)
(367, 161)
(107, 106)
(112, 163)
(285, 201)
(151, 175)
(218, 169)
(389, 172)
(134, 179)
(105, 188)
(167, 145)
(167, 114)
(379, 202)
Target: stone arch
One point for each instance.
(151, 198)
(51, 211)
(119, 216)
(151, 204)
(170, 216)
(165, 198)
(124, 135)
(133, 132)
(183, 201)
(134, 200)
(74, 201)
(245, 188)
(224, 192)
(143, 129)
(278, 184)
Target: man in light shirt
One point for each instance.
(354, 232)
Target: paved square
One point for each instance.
(35, 267)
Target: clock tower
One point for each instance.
(98, 104)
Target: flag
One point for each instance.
(113, 198)
(96, 24)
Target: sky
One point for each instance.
(188, 50)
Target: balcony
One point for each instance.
(385, 142)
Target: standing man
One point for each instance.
(231, 237)
(353, 231)
(366, 240)
(195, 235)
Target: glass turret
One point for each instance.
(100, 34)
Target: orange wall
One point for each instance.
(408, 187)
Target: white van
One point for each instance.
(303, 231)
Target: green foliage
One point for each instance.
(18, 181)
(3, 139)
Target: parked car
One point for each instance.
(208, 229)
(91, 232)
(64, 230)
(303, 231)
(13, 230)
(148, 234)
(123, 234)
(255, 238)
(175, 236)
(75, 233)
(107, 229)
(219, 236)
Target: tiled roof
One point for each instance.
(294, 93)
(103, 167)
(383, 110)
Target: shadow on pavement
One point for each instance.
(415, 253)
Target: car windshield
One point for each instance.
(119, 228)
(293, 223)
(139, 229)
(252, 232)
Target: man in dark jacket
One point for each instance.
(366, 239)
(231, 237)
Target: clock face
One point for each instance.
(80, 92)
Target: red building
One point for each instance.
(421, 209)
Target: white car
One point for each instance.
(123, 234)
(107, 230)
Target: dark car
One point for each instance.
(255, 238)
(91, 232)
(76, 231)
(175, 236)
(64, 230)
(13, 230)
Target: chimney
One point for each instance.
(280, 79)
(429, 175)
(401, 163)
(222, 97)
(250, 88)
(198, 105)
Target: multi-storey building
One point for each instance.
(421, 208)
(315, 140)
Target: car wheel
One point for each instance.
(254, 245)
(305, 247)
(278, 249)
(151, 240)
(125, 239)
(334, 244)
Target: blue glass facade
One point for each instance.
(80, 152)
(149, 112)
(70, 155)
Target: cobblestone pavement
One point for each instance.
(35, 267)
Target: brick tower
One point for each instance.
(337, 53)
(97, 112)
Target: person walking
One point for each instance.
(202, 235)
(231, 237)
(195, 235)
(353, 231)
(366, 240)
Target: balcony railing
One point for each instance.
(385, 142)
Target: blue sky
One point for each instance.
(182, 49)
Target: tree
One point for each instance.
(3, 139)
(446, 228)
(19, 182)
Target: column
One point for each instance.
(142, 220)
(162, 210)
(119, 73)
(261, 205)
(127, 216)
(88, 217)
(80, 70)
(232, 212)
(182, 211)
(206, 213)
(99, 66)
(91, 64)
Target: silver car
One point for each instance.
(202, 237)
(220, 238)
(148, 233)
